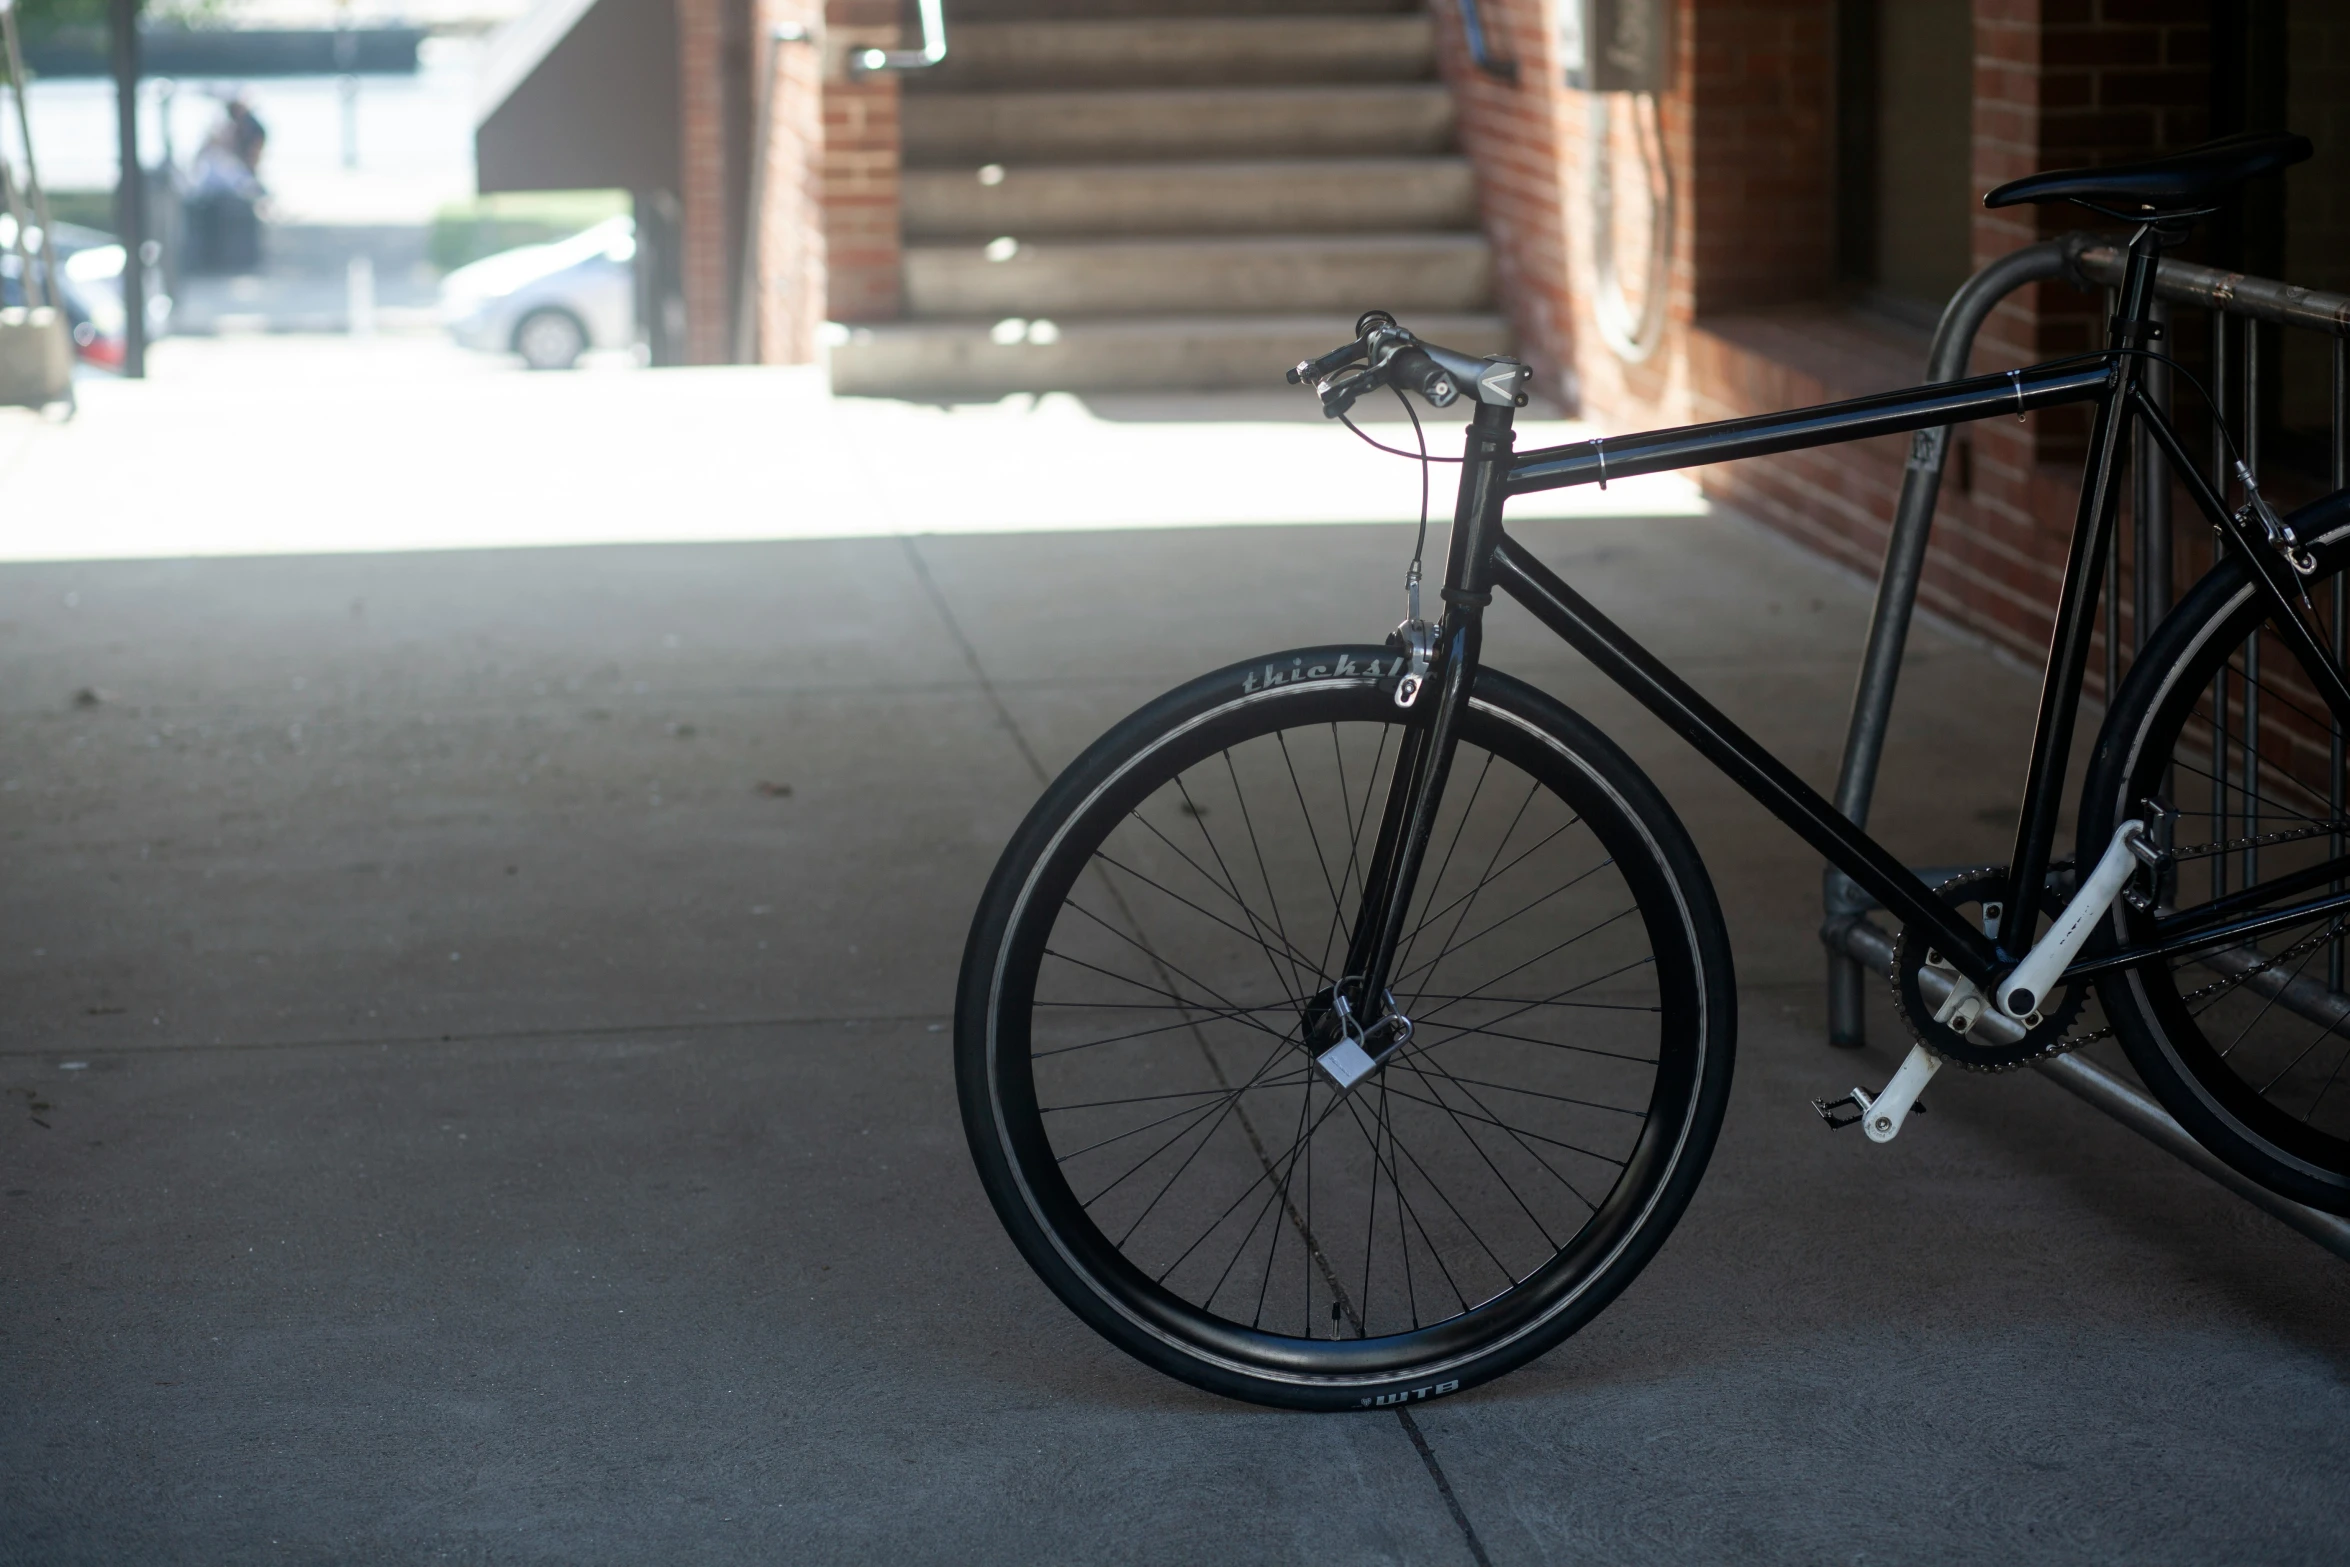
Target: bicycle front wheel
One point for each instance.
(1136, 996)
(2248, 1044)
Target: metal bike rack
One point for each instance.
(1856, 944)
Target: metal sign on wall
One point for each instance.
(1614, 45)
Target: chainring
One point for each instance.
(1972, 889)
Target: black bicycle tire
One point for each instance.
(1342, 1375)
(2171, 1055)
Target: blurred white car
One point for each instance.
(548, 303)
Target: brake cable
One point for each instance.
(1411, 581)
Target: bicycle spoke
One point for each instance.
(1156, 959)
(1412, 1198)
(1581, 935)
(1248, 820)
(1227, 1010)
(1122, 1039)
(1479, 1149)
(1217, 919)
(1435, 884)
(1199, 819)
(1506, 919)
(1595, 979)
(1230, 1100)
(1305, 1103)
(1489, 1118)
(1395, 1179)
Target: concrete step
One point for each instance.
(1189, 353)
(1286, 195)
(1267, 274)
(967, 129)
(1172, 51)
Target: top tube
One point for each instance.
(1824, 424)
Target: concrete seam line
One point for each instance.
(1452, 1503)
(491, 1036)
(946, 615)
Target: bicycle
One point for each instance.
(1349, 1025)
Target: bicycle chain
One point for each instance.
(2205, 851)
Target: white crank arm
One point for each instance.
(2022, 991)
(1885, 1113)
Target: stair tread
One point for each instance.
(970, 12)
(1047, 97)
(1310, 24)
(1188, 123)
(1300, 164)
(1145, 51)
(1182, 179)
(1224, 196)
(1153, 352)
(1179, 323)
(1439, 239)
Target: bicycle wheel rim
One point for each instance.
(1571, 1272)
(2270, 1075)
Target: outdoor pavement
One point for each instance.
(476, 1087)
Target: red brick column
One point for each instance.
(860, 167)
(790, 249)
(702, 171)
(828, 213)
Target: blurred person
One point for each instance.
(225, 192)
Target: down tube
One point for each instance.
(1739, 757)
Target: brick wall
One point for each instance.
(1517, 137)
(2317, 250)
(1756, 322)
(1761, 83)
(2058, 83)
(1530, 145)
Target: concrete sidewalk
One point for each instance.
(304, 445)
(477, 1089)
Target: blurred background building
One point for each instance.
(1676, 209)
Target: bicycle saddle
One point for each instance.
(2176, 183)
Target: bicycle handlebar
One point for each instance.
(1414, 371)
(1391, 356)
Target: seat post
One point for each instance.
(2133, 325)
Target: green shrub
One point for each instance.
(92, 209)
(469, 230)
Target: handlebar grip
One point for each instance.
(1315, 369)
(1413, 370)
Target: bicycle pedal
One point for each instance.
(1849, 1110)
(1844, 1112)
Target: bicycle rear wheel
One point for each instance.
(1148, 1121)
(2248, 1045)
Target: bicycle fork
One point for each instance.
(1369, 1028)
(1363, 1028)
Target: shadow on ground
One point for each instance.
(478, 1089)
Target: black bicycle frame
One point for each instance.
(1483, 558)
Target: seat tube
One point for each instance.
(1416, 791)
(2084, 577)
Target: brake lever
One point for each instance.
(1321, 369)
(1339, 396)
